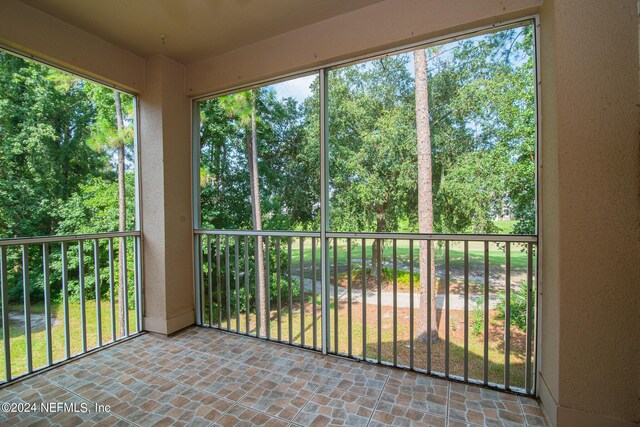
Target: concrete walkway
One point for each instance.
(456, 301)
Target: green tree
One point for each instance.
(243, 107)
(45, 120)
(111, 133)
(372, 135)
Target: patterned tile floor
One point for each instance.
(204, 377)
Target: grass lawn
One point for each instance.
(506, 227)
(456, 254)
(38, 336)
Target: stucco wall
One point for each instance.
(591, 211)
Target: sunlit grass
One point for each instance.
(456, 254)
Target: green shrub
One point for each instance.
(518, 306)
(477, 316)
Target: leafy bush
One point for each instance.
(242, 293)
(477, 316)
(403, 278)
(518, 306)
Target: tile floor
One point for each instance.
(209, 378)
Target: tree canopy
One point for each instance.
(482, 121)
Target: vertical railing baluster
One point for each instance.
(427, 270)
(200, 261)
(485, 368)
(137, 277)
(6, 332)
(210, 280)
(313, 291)
(227, 274)
(125, 293)
(379, 286)
(267, 287)
(112, 296)
(65, 300)
(411, 303)
(236, 240)
(364, 299)
(198, 268)
(96, 278)
(507, 317)
(349, 321)
(395, 302)
(466, 310)
(218, 284)
(26, 298)
(335, 294)
(83, 320)
(278, 288)
(290, 290)
(302, 331)
(528, 381)
(247, 300)
(257, 241)
(46, 279)
(446, 310)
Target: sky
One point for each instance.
(296, 88)
(299, 88)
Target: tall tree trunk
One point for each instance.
(122, 214)
(377, 248)
(425, 197)
(256, 217)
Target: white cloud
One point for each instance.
(296, 88)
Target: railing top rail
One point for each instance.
(65, 238)
(437, 236)
(524, 238)
(269, 233)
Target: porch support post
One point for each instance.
(589, 321)
(167, 221)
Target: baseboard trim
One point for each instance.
(568, 417)
(560, 416)
(549, 404)
(169, 326)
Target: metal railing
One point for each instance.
(471, 318)
(48, 289)
(229, 288)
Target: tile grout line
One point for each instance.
(307, 402)
(522, 412)
(375, 407)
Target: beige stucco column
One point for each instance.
(590, 303)
(165, 167)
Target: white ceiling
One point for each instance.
(193, 29)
